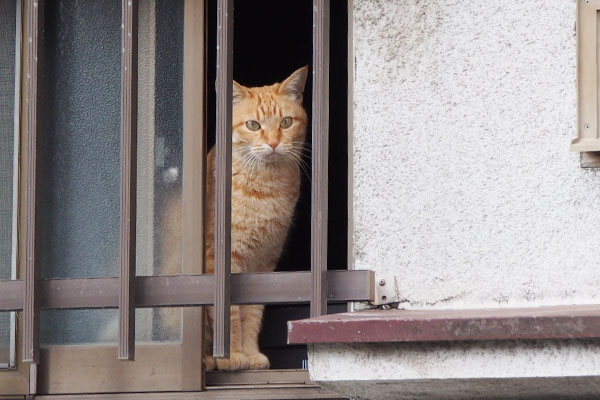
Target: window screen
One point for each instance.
(8, 79)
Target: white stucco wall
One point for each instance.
(464, 186)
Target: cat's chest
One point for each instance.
(263, 204)
(266, 208)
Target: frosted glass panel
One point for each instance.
(101, 327)
(80, 145)
(7, 131)
(5, 330)
(59, 327)
(160, 137)
(8, 28)
(160, 153)
(82, 181)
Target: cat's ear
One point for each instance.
(239, 92)
(293, 86)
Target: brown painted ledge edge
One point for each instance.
(388, 326)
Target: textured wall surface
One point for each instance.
(519, 369)
(464, 186)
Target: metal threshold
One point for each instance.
(260, 392)
(243, 385)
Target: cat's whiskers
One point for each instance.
(249, 161)
(296, 157)
(241, 153)
(244, 155)
(250, 164)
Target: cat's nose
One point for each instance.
(273, 143)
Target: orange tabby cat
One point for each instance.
(269, 127)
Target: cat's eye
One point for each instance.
(252, 125)
(286, 122)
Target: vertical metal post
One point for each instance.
(31, 309)
(223, 178)
(129, 81)
(16, 176)
(320, 136)
(193, 199)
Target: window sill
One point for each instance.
(390, 326)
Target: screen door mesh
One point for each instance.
(7, 109)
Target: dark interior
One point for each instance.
(273, 38)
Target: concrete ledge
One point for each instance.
(488, 389)
(387, 326)
(538, 369)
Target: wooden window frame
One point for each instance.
(31, 294)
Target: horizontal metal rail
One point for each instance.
(189, 290)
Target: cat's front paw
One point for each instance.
(236, 361)
(209, 363)
(258, 361)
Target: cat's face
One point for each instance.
(269, 123)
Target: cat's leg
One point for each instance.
(251, 324)
(237, 359)
(209, 360)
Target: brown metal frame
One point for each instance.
(193, 199)
(129, 117)
(190, 290)
(222, 262)
(67, 369)
(320, 129)
(17, 380)
(31, 303)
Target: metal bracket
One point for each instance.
(386, 291)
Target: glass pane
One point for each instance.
(60, 327)
(160, 137)
(8, 77)
(5, 339)
(81, 189)
(87, 327)
(80, 146)
(80, 181)
(160, 154)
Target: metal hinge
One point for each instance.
(386, 291)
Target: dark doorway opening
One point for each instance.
(273, 38)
